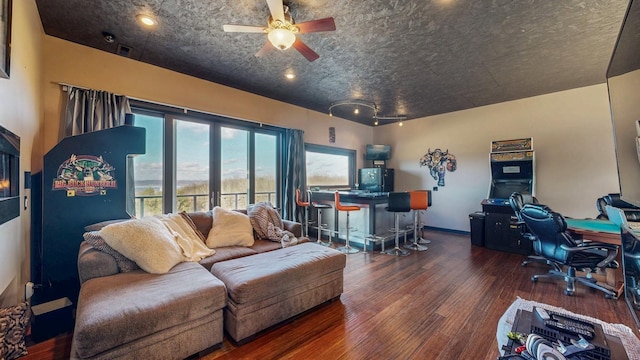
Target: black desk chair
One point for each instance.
(552, 241)
(517, 201)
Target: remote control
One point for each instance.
(569, 329)
(542, 313)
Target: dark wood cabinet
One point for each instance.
(502, 231)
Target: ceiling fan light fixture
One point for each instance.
(281, 39)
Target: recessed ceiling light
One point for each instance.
(147, 20)
(290, 76)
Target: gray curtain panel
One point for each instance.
(295, 174)
(90, 110)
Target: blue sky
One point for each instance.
(192, 151)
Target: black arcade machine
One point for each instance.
(512, 170)
(83, 182)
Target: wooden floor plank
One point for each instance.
(443, 303)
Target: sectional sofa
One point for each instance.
(240, 291)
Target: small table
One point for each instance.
(603, 231)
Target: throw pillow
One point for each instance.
(100, 225)
(229, 228)
(193, 248)
(146, 241)
(124, 264)
(13, 326)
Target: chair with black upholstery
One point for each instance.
(631, 212)
(517, 201)
(552, 241)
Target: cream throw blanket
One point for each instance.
(193, 248)
(268, 224)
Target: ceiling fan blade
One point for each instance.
(244, 28)
(265, 49)
(277, 9)
(305, 50)
(326, 24)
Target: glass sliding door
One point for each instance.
(196, 161)
(192, 164)
(234, 168)
(266, 168)
(148, 168)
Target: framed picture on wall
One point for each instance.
(5, 37)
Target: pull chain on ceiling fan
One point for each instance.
(281, 30)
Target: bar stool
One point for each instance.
(422, 240)
(419, 200)
(398, 202)
(347, 249)
(305, 205)
(321, 227)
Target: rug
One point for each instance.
(626, 335)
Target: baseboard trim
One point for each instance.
(461, 232)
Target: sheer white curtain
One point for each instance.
(89, 110)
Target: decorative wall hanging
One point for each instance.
(85, 175)
(438, 162)
(332, 135)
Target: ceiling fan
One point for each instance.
(281, 30)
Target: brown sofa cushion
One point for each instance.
(203, 220)
(265, 275)
(123, 308)
(226, 253)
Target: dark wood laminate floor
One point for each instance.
(443, 303)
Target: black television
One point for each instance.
(623, 81)
(377, 152)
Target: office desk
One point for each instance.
(603, 231)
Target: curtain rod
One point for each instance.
(185, 110)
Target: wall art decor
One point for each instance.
(439, 162)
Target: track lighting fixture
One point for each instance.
(367, 104)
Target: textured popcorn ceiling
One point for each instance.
(415, 57)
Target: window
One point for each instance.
(330, 167)
(196, 161)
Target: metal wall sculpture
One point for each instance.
(439, 162)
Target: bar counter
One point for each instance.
(372, 219)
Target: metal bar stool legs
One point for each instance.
(415, 245)
(347, 249)
(398, 202)
(322, 227)
(397, 251)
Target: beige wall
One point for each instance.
(572, 139)
(21, 113)
(74, 64)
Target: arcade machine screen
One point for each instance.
(511, 172)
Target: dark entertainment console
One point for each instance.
(501, 228)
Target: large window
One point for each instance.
(196, 161)
(330, 167)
